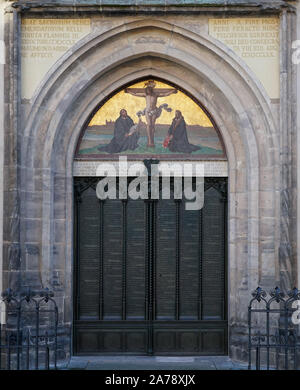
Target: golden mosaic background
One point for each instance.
(192, 113)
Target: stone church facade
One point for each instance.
(249, 84)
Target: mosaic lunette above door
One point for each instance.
(150, 119)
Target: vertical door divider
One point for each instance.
(177, 272)
(101, 241)
(124, 258)
(200, 264)
(150, 277)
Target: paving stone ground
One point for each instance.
(153, 363)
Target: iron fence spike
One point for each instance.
(20, 344)
(294, 293)
(259, 293)
(284, 340)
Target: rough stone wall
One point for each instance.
(297, 161)
(41, 136)
(2, 61)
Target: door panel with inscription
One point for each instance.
(150, 276)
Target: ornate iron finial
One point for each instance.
(46, 294)
(27, 293)
(259, 293)
(277, 294)
(294, 293)
(8, 295)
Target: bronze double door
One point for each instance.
(150, 277)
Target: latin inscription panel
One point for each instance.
(43, 42)
(256, 41)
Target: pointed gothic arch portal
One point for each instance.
(150, 276)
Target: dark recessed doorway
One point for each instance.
(150, 276)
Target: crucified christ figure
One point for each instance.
(152, 112)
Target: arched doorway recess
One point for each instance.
(97, 67)
(150, 273)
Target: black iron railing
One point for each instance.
(28, 333)
(273, 332)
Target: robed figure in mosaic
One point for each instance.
(125, 135)
(177, 140)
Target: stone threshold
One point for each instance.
(122, 362)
